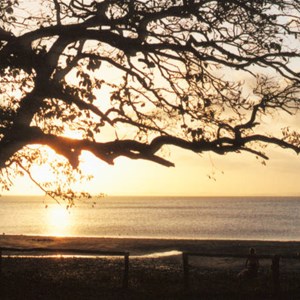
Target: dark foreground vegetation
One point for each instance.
(149, 278)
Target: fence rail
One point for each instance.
(185, 258)
(275, 268)
(41, 251)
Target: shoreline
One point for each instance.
(150, 276)
(42, 236)
(144, 246)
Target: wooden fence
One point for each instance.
(58, 251)
(275, 267)
(185, 259)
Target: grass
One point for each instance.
(150, 278)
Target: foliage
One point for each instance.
(129, 77)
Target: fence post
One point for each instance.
(0, 262)
(185, 259)
(275, 273)
(126, 270)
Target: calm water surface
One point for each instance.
(268, 218)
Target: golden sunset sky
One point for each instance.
(234, 175)
(194, 175)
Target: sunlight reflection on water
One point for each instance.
(265, 218)
(58, 220)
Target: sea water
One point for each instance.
(258, 218)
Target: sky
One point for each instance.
(207, 174)
(194, 175)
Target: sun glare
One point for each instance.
(43, 172)
(58, 220)
(73, 134)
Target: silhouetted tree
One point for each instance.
(130, 77)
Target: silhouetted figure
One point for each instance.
(252, 265)
(275, 273)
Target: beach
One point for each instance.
(146, 246)
(155, 269)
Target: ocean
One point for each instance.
(245, 218)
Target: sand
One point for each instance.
(155, 269)
(143, 246)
